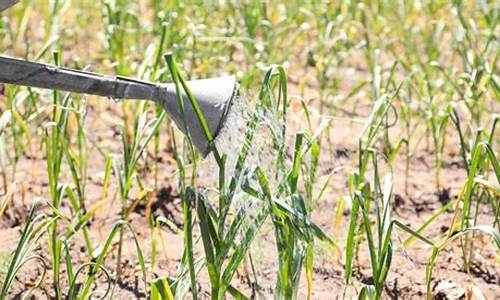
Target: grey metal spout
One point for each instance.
(214, 95)
(4, 4)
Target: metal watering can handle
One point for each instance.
(38, 75)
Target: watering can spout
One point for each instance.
(4, 4)
(214, 96)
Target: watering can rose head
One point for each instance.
(214, 97)
(201, 116)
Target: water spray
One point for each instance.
(214, 95)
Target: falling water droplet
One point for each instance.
(115, 100)
(231, 137)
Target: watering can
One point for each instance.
(4, 4)
(214, 95)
